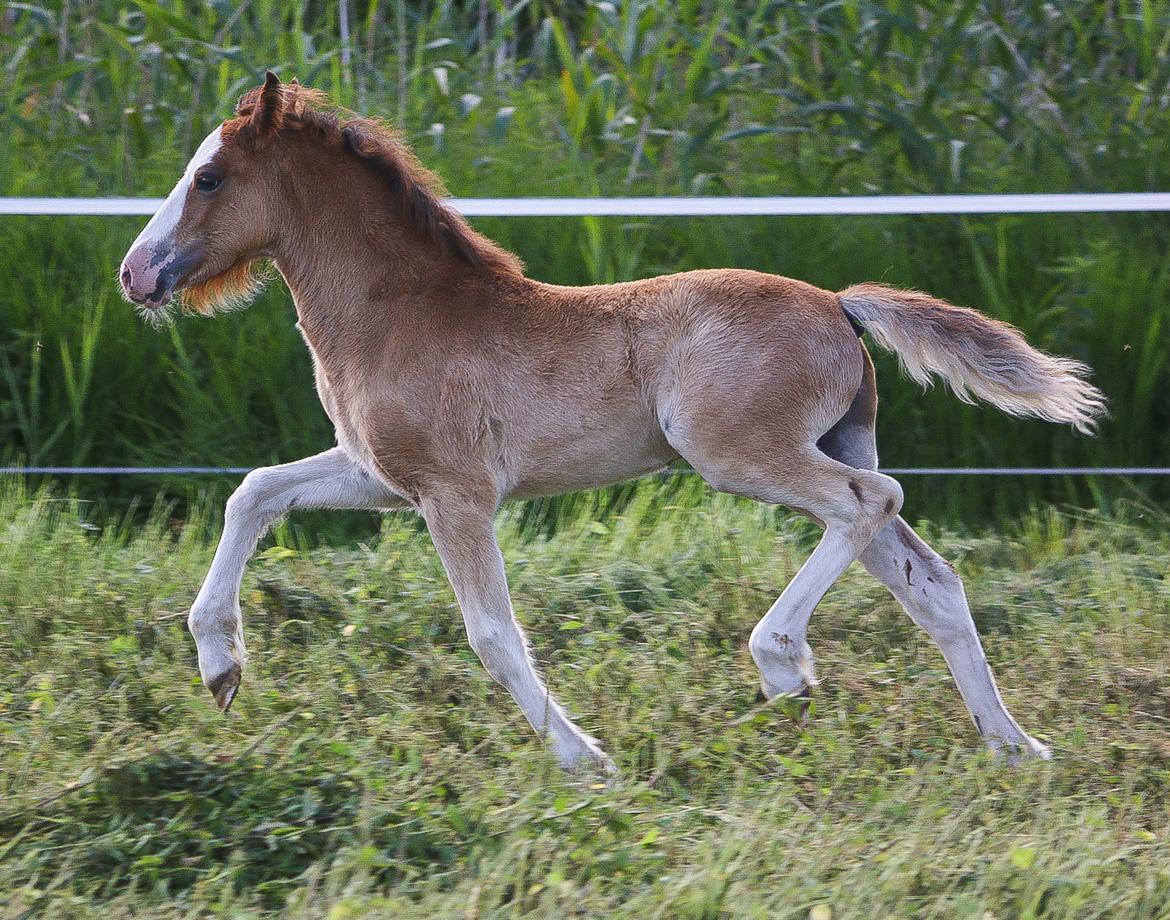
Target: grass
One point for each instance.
(371, 769)
(641, 97)
(82, 381)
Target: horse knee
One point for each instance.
(253, 497)
(243, 500)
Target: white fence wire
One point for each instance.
(763, 206)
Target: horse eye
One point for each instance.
(207, 182)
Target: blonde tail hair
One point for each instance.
(976, 355)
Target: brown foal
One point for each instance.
(455, 382)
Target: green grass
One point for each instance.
(83, 381)
(552, 98)
(371, 769)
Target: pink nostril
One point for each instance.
(126, 277)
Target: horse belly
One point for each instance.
(588, 458)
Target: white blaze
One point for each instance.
(166, 218)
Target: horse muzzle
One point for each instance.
(150, 276)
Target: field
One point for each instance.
(371, 769)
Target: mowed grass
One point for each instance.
(370, 768)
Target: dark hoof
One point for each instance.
(224, 687)
(795, 705)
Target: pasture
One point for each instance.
(370, 768)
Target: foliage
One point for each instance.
(640, 97)
(371, 769)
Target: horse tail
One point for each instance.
(976, 355)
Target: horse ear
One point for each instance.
(268, 113)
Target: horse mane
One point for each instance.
(417, 192)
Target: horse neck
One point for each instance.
(354, 270)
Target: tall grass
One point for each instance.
(638, 97)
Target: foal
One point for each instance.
(455, 382)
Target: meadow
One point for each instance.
(370, 768)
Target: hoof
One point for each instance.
(603, 773)
(591, 762)
(1014, 753)
(795, 705)
(224, 687)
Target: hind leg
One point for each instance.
(853, 505)
(932, 594)
(928, 589)
(758, 438)
(853, 508)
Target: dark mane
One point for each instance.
(416, 190)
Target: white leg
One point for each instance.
(466, 542)
(778, 642)
(326, 480)
(854, 505)
(932, 594)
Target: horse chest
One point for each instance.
(347, 423)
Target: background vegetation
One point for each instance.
(644, 97)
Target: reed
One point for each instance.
(640, 98)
